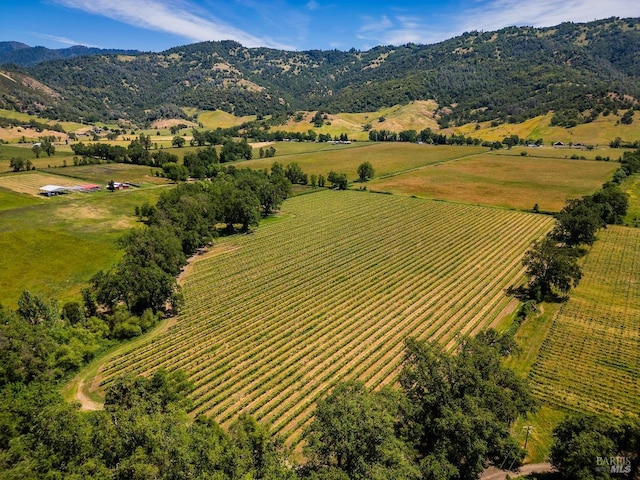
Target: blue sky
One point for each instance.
(156, 25)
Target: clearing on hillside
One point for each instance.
(590, 361)
(329, 292)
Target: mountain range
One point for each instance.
(22, 54)
(577, 71)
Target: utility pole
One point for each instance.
(526, 438)
(528, 427)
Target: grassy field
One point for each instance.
(590, 361)
(599, 132)
(53, 246)
(416, 115)
(7, 152)
(632, 187)
(530, 337)
(386, 158)
(119, 172)
(503, 180)
(217, 118)
(614, 154)
(328, 292)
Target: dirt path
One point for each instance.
(87, 383)
(85, 402)
(493, 473)
(85, 387)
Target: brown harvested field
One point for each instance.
(505, 181)
(15, 133)
(386, 158)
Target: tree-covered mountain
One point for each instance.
(19, 53)
(576, 70)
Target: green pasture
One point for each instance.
(54, 245)
(386, 158)
(12, 200)
(9, 151)
(632, 187)
(118, 172)
(501, 180)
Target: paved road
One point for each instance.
(494, 474)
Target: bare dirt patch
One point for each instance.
(82, 212)
(16, 133)
(261, 144)
(170, 122)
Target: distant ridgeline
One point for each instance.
(579, 71)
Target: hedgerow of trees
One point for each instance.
(552, 263)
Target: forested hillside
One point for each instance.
(577, 70)
(22, 54)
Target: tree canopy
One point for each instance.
(449, 420)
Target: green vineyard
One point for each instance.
(328, 292)
(591, 359)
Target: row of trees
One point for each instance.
(139, 152)
(424, 136)
(260, 131)
(552, 262)
(184, 219)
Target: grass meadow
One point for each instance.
(502, 180)
(632, 187)
(54, 245)
(62, 156)
(386, 158)
(599, 132)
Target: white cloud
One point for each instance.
(312, 5)
(65, 40)
(488, 15)
(496, 14)
(175, 17)
(397, 30)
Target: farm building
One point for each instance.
(52, 190)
